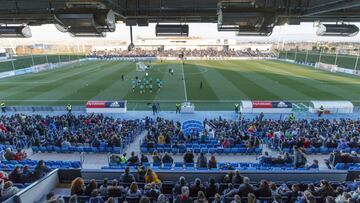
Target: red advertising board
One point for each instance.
(96, 104)
(261, 104)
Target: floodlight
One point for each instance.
(15, 31)
(340, 30)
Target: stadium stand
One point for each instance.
(224, 187)
(68, 133)
(116, 53)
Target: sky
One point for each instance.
(303, 32)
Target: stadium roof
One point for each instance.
(96, 17)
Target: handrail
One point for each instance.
(82, 158)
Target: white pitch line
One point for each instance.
(184, 81)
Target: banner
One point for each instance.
(7, 74)
(271, 104)
(106, 107)
(105, 104)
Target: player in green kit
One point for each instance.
(159, 85)
(150, 88)
(141, 88)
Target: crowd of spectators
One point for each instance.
(234, 188)
(20, 175)
(228, 134)
(203, 53)
(64, 131)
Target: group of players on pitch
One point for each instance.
(145, 84)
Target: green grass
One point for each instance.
(224, 83)
(343, 61)
(27, 61)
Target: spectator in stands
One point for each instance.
(252, 198)
(184, 196)
(265, 159)
(134, 159)
(77, 186)
(287, 158)
(20, 155)
(228, 177)
(52, 198)
(3, 176)
(140, 174)
(356, 194)
(237, 199)
(162, 199)
(161, 139)
(15, 175)
(196, 187)
(26, 174)
(273, 189)
(110, 200)
(151, 191)
(299, 158)
(9, 155)
(151, 177)
(263, 190)
(7, 189)
(40, 170)
(73, 199)
(133, 191)
(217, 199)
(277, 199)
(188, 157)
(181, 183)
(167, 159)
(212, 188)
(329, 199)
(237, 179)
(325, 189)
(200, 198)
(245, 188)
(144, 159)
(92, 185)
(144, 200)
(230, 191)
(114, 190)
(201, 161)
(212, 162)
(127, 177)
(103, 187)
(291, 195)
(95, 198)
(156, 158)
(314, 165)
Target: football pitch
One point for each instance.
(223, 84)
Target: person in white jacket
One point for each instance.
(7, 189)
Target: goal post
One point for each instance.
(327, 67)
(141, 67)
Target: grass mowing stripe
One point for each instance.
(119, 87)
(229, 83)
(194, 76)
(318, 81)
(53, 90)
(172, 82)
(310, 86)
(96, 83)
(222, 87)
(26, 91)
(272, 83)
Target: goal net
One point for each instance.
(326, 67)
(141, 67)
